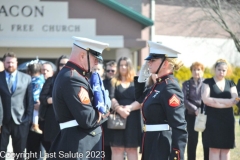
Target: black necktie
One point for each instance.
(10, 82)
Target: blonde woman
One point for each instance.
(219, 94)
(129, 139)
(163, 110)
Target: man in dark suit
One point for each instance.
(17, 103)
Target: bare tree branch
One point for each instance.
(214, 9)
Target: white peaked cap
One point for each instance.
(94, 47)
(157, 50)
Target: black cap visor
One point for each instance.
(96, 54)
(154, 56)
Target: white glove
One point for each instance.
(143, 73)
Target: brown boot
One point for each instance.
(35, 128)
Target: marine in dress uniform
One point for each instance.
(165, 134)
(81, 134)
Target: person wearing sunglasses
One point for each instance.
(110, 71)
(111, 68)
(163, 110)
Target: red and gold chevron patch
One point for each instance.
(174, 101)
(83, 96)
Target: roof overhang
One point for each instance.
(128, 12)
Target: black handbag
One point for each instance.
(115, 121)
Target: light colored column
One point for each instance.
(124, 52)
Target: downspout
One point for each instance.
(152, 11)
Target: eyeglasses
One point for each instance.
(61, 64)
(110, 71)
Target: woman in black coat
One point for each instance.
(51, 126)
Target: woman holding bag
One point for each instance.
(192, 101)
(129, 139)
(219, 95)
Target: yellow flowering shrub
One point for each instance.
(184, 74)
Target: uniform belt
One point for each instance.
(156, 127)
(68, 124)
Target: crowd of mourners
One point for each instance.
(153, 99)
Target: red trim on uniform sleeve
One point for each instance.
(174, 101)
(143, 140)
(102, 142)
(178, 154)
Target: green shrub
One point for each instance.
(235, 110)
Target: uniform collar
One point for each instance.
(164, 77)
(79, 69)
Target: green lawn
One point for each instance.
(235, 153)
